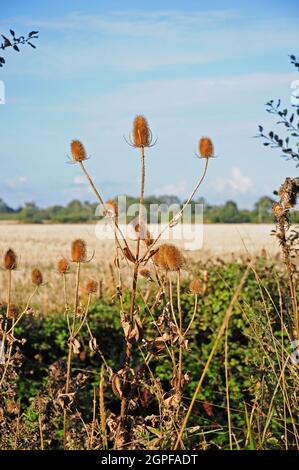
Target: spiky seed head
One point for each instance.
(159, 259)
(278, 209)
(141, 132)
(289, 192)
(144, 272)
(78, 151)
(13, 311)
(79, 253)
(112, 207)
(36, 277)
(205, 147)
(195, 286)
(169, 257)
(63, 266)
(91, 286)
(10, 260)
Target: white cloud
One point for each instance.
(79, 180)
(175, 189)
(237, 182)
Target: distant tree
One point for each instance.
(4, 208)
(263, 208)
(31, 213)
(16, 41)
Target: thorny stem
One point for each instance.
(227, 390)
(2, 352)
(40, 425)
(69, 359)
(66, 306)
(171, 303)
(11, 330)
(85, 315)
(193, 316)
(180, 331)
(135, 278)
(136, 266)
(289, 268)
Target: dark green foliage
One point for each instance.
(46, 343)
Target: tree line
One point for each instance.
(77, 211)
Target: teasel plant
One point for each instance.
(13, 314)
(141, 138)
(288, 195)
(78, 256)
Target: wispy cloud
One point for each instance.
(238, 182)
(177, 189)
(76, 44)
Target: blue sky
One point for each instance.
(192, 67)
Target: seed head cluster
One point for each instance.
(36, 277)
(13, 311)
(79, 252)
(169, 258)
(289, 192)
(195, 286)
(205, 147)
(78, 151)
(91, 286)
(10, 260)
(63, 266)
(141, 132)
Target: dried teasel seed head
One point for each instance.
(78, 151)
(141, 132)
(91, 286)
(205, 147)
(63, 266)
(289, 192)
(10, 260)
(112, 207)
(144, 233)
(144, 272)
(36, 277)
(79, 253)
(13, 311)
(278, 209)
(169, 258)
(195, 286)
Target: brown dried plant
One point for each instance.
(288, 193)
(167, 257)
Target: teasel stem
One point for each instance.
(220, 333)
(171, 303)
(94, 402)
(180, 212)
(135, 279)
(288, 264)
(11, 330)
(85, 315)
(180, 331)
(25, 309)
(66, 306)
(69, 359)
(136, 266)
(115, 224)
(193, 316)
(2, 352)
(40, 425)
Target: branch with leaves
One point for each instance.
(15, 42)
(289, 119)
